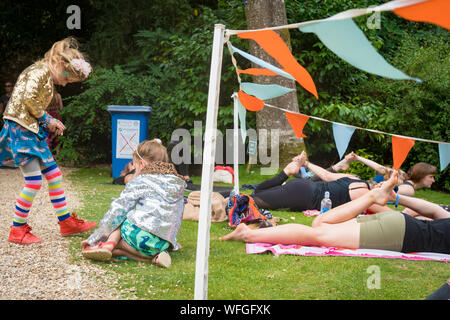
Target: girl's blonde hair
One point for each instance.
(65, 50)
(151, 150)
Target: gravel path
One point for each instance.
(45, 271)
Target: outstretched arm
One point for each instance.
(371, 164)
(423, 207)
(324, 174)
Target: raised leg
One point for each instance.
(353, 208)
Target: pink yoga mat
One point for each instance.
(279, 249)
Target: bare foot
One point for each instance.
(238, 234)
(292, 168)
(301, 158)
(344, 164)
(385, 192)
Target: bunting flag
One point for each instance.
(347, 41)
(257, 72)
(444, 155)
(261, 63)
(400, 149)
(432, 11)
(265, 91)
(272, 43)
(342, 135)
(242, 114)
(249, 102)
(297, 122)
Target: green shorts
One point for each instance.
(383, 231)
(142, 241)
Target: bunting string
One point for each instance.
(356, 127)
(396, 6)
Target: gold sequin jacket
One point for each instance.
(31, 96)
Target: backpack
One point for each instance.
(242, 208)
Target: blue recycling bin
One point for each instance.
(129, 127)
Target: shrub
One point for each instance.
(87, 120)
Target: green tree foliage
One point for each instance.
(29, 28)
(87, 119)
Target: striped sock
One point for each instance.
(56, 191)
(33, 183)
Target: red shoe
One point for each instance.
(22, 235)
(73, 225)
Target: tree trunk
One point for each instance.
(269, 13)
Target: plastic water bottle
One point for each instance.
(325, 205)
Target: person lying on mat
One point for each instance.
(420, 175)
(128, 173)
(143, 223)
(341, 227)
(304, 194)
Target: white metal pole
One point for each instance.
(236, 143)
(209, 154)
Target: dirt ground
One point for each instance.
(45, 271)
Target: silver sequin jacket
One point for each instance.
(152, 202)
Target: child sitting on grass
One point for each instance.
(143, 223)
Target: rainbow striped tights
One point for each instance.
(32, 173)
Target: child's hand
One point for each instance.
(56, 126)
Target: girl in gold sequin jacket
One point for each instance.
(22, 138)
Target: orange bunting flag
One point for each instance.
(400, 149)
(432, 11)
(272, 43)
(250, 103)
(257, 72)
(297, 122)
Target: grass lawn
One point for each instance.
(235, 275)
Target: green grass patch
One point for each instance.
(235, 275)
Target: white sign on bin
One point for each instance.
(127, 138)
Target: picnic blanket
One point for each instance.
(279, 249)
